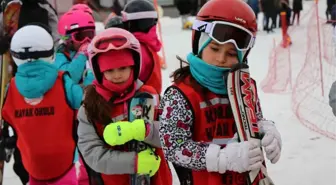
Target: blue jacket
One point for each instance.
(254, 4)
(35, 78)
(75, 67)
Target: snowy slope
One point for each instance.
(307, 158)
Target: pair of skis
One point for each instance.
(142, 106)
(10, 11)
(242, 96)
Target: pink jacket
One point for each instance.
(152, 41)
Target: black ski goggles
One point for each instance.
(224, 32)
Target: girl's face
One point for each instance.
(118, 75)
(220, 55)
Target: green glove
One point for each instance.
(121, 132)
(148, 162)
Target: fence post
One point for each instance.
(319, 45)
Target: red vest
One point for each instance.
(213, 123)
(155, 79)
(162, 177)
(45, 131)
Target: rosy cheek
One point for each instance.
(128, 75)
(108, 76)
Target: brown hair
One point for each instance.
(97, 109)
(183, 72)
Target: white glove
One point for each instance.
(238, 157)
(271, 140)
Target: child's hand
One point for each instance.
(148, 162)
(122, 132)
(84, 49)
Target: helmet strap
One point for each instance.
(195, 41)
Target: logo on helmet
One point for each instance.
(74, 26)
(240, 20)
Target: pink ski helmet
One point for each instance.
(81, 7)
(114, 39)
(74, 20)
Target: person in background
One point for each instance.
(284, 7)
(40, 11)
(297, 8)
(332, 93)
(140, 18)
(254, 4)
(330, 4)
(185, 8)
(332, 98)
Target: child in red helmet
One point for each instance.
(197, 126)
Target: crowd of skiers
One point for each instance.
(272, 9)
(69, 102)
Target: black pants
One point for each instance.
(188, 6)
(183, 6)
(274, 20)
(296, 15)
(19, 168)
(266, 26)
(268, 17)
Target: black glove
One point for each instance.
(10, 142)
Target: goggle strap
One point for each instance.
(32, 54)
(139, 15)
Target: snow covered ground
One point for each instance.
(307, 157)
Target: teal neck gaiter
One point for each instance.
(209, 76)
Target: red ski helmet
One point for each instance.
(232, 11)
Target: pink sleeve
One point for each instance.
(147, 64)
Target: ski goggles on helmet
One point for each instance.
(139, 15)
(115, 42)
(224, 32)
(82, 36)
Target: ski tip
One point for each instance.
(238, 67)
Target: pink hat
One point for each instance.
(115, 59)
